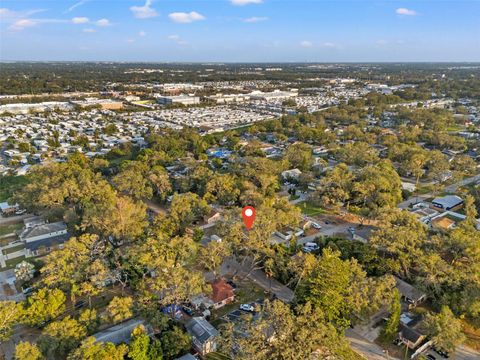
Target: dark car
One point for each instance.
(232, 284)
(430, 357)
(445, 354)
(188, 310)
(79, 304)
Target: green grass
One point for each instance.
(217, 356)
(246, 292)
(10, 184)
(13, 249)
(8, 229)
(309, 209)
(12, 262)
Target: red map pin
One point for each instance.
(248, 214)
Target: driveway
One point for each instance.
(367, 349)
(231, 267)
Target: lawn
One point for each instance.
(216, 356)
(12, 262)
(246, 292)
(309, 209)
(10, 184)
(8, 229)
(13, 249)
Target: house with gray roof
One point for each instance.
(447, 202)
(409, 293)
(41, 238)
(121, 333)
(203, 335)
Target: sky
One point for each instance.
(240, 30)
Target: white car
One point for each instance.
(247, 307)
(309, 247)
(316, 226)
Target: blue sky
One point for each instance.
(240, 30)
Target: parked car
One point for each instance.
(79, 304)
(188, 310)
(247, 307)
(430, 357)
(316, 225)
(309, 247)
(20, 212)
(445, 354)
(232, 284)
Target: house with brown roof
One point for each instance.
(443, 223)
(222, 293)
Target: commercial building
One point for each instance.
(180, 99)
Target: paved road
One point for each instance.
(448, 189)
(364, 347)
(453, 188)
(232, 267)
(13, 219)
(464, 353)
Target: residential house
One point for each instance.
(40, 239)
(291, 174)
(410, 294)
(203, 335)
(410, 337)
(448, 202)
(222, 293)
(121, 333)
(212, 217)
(8, 209)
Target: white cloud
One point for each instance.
(103, 22)
(306, 44)
(245, 2)
(89, 30)
(177, 39)
(145, 11)
(142, 33)
(255, 19)
(7, 14)
(184, 18)
(22, 24)
(77, 4)
(405, 11)
(80, 20)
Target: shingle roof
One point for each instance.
(201, 329)
(119, 333)
(408, 290)
(43, 229)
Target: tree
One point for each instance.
(79, 267)
(186, 208)
(59, 337)
(299, 156)
(133, 181)
(155, 351)
(24, 271)
(222, 188)
(44, 305)
(444, 329)
(119, 309)
(175, 342)
(92, 350)
(27, 351)
(10, 313)
(279, 332)
(139, 344)
(335, 187)
(124, 219)
(390, 330)
(402, 236)
(213, 254)
(342, 290)
(89, 319)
